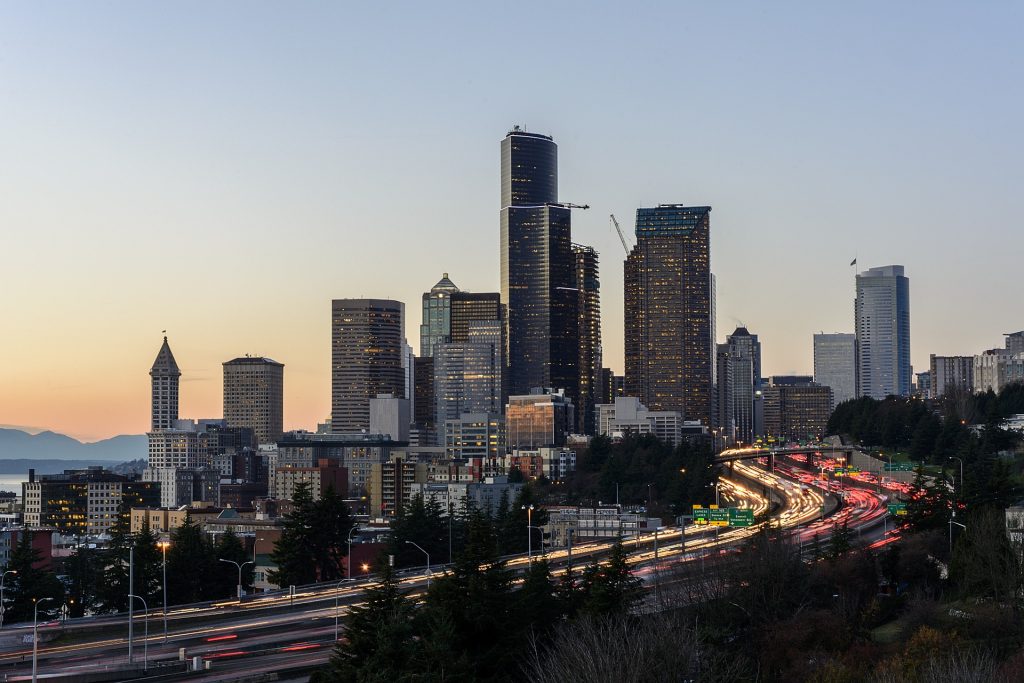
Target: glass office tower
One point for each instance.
(538, 275)
(668, 311)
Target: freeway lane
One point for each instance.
(226, 632)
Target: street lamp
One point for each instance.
(164, 545)
(541, 530)
(349, 560)
(451, 512)
(529, 534)
(2, 607)
(35, 638)
(953, 457)
(145, 633)
(428, 560)
(337, 588)
(239, 574)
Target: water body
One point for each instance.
(12, 482)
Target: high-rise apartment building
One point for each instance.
(947, 372)
(668, 343)
(254, 396)
(835, 364)
(437, 316)
(739, 386)
(882, 313)
(588, 306)
(538, 283)
(165, 375)
(366, 358)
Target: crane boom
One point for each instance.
(622, 237)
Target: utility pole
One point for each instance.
(131, 602)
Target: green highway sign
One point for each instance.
(741, 517)
(700, 515)
(897, 509)
(719, 517)
(901, 466)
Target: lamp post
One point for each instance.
(3, 608)
(163, 546)
(35, 638)
(240, 566)
(451, 512)
(951, 523)
(131, 603)
(541, 530)
(529, 523)
(145, 633)
(428, 560)
(348, 562)
(337, 588)
(953, 457)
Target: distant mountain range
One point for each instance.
(50, 452)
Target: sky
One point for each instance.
(223, 170)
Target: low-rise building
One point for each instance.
(325, 474)
(628, 416)
(82, 502)
(484, 495)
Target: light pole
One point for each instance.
(953, 457)
(337, 588)
(348, 562)
(145, 633)
(35, 638)
(239, 574)
(529, 523)
(163, 546)
(951, 523)
(451, 512)
(541, 530)
(428, 560)
(3, 608)
(131, 603)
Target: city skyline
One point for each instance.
(105, 173)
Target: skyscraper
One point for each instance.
(254, 396)
(588, 306)
(835, 364)
(882, 316)
(668, 345)
(366, 358)
(467, 307)
(468, 374)
(739, 381)
(164, 379)
(437, 314)
(538, 284)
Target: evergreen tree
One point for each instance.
(330, 524)
(379, 642)
(148, 566)
(189, 565)
(84, 571)
(611, 589)
(422, 523)
(229, 547)
(839, 542)
(30, 583)
(293, 553)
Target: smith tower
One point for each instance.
(668, 311)
(538, 274)
(164, 375)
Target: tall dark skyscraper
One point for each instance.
(668, 344)
(165, 376)
(538, 277)
(366, 358)
(588, 288)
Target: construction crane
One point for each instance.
(622, 237)
(567, 205)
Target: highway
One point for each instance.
(282, 632)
